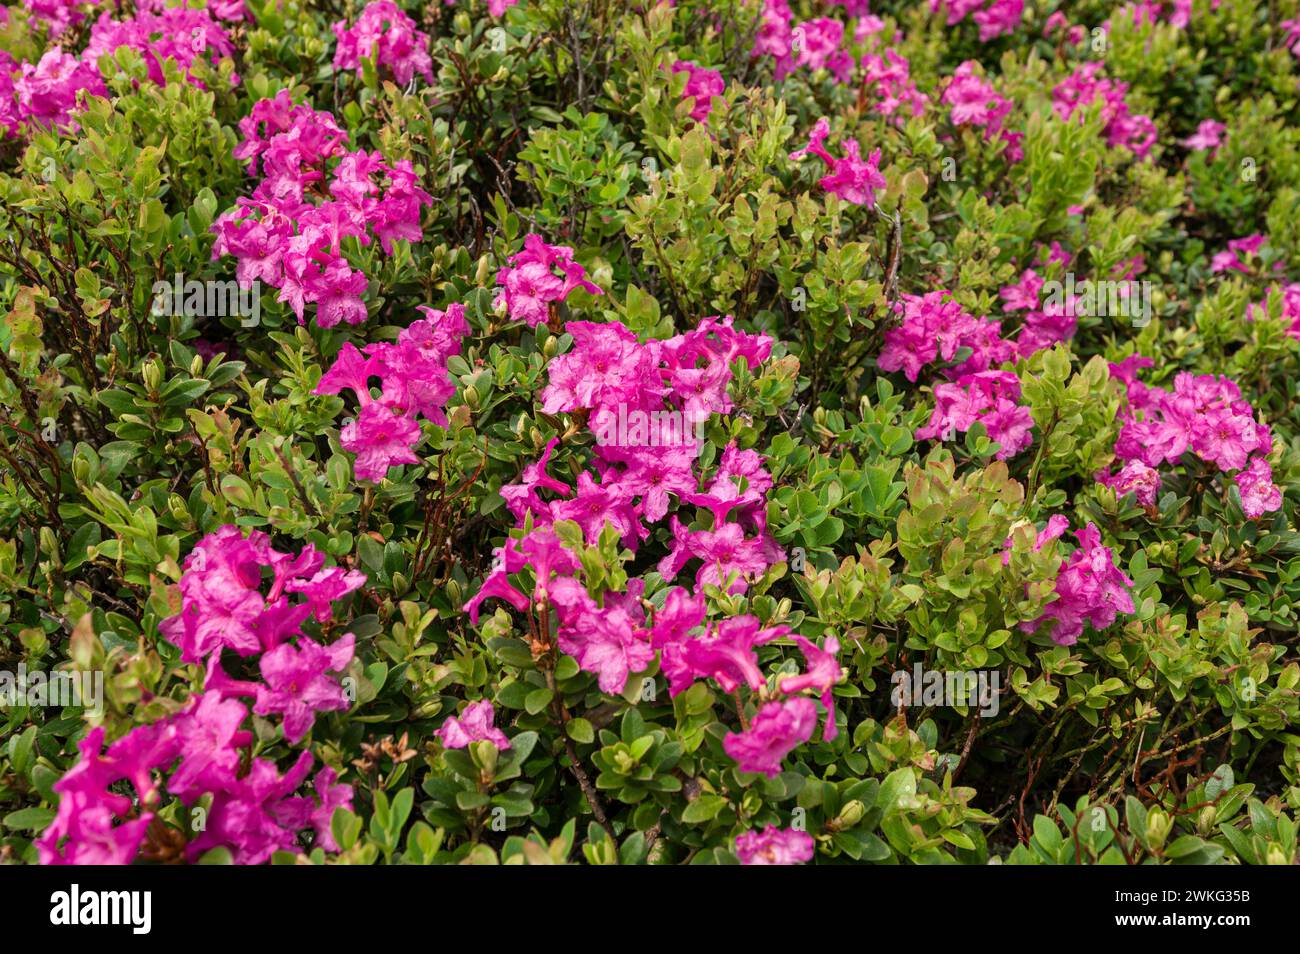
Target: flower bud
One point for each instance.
(1158, 827)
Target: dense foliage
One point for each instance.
(530, 431)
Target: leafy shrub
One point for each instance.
(546, 431)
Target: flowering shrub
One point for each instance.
(541, 431)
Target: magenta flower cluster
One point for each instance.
(47, 94)
(228, 605)
(1090, 588)
(415, 383)
(1205, 416)
(850, 177)
(530, 285)
(386, 34)
(313, 194)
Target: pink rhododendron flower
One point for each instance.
(1090, 588)
(775, 846)
(851, 178)
(1232, 257)
(474, 724)
(1122, 127)
(1259, 495)
(989, 397)
(529, 284)
(385, 32)
(296, 684)
(701, 86)
(823, 673)
(777, 729)
(1208, 135)
(934, 328)
(1134, 477)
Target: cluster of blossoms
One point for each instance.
(888, 80)
(998, 18)
(934, 328)
(45, 94)
(813, 43)
(1208, 136)
(415, 381)
(851, 178)
(204, 750)
(1090, 588)
(1044, 322)
(529, 283)
(313, 194)
(1289, 308)
(1122, 127)
(1238, 253)
(1204, 414)
(385, 33)
(702, 84)
(975, 102)
(644, 403)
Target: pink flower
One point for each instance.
(1090, 588)
(1259, 495)
(474, 724)
(248, 814)
(850, 178)
(701, 86)
(988, 397)
(778, 728)
(385, 32)
(297, 686)
(1000, 17)
(774, 846)
(1208, 135)
(1122, 128)
(607, 641)
(823, 673)
(1135, 477)
(1231, 258)
(529, 284)
(380, 439)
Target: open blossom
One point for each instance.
(887, 78)
(297, 685)
(529, 283)
(777, 729)
(775, 846)
(204, 750)
(1237, 250)
(975, 102)
(999, 18)
(474, 724)
(1204, 414)
(989, 397)
(1208, 135)
(823, 672)
(1289, 307)
(851, 178)
(415, 382)
(1122, 127)
(1134, 477)
(1259, 495)
(287, 235)
(701, 86)
(1090, 589)
(385, 32)
(935, 328)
